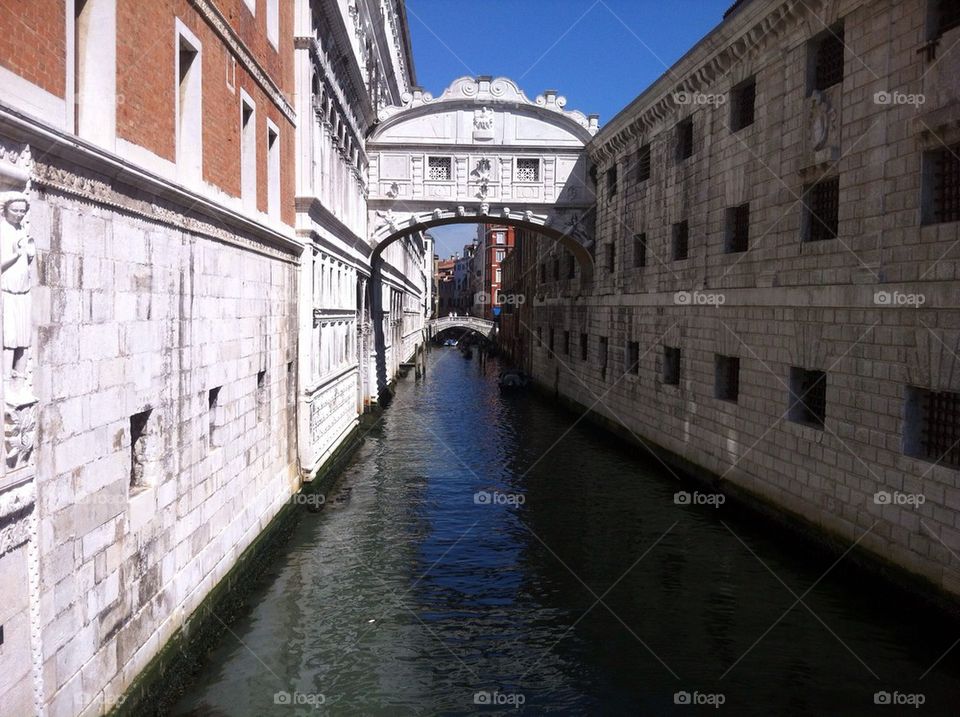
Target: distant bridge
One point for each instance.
(484, 327)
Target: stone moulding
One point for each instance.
(219, 24)
(493, 92)
(700, 71)
(95, 175)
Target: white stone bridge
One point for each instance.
(483, 152)
(484, 327)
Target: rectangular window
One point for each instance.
(498, 275)
(671, 366)
(584, 346)
(602, 345)
(738, 229)
(94, 70)
(942, 185)
(826, 58)
(612, 182)
(263, 395)
(543, 273)
(273, 22)
(681, 240)
(439, 169)
(727, 378)
(643, 163)
(528, 170)
(213, 413)
(743, 105)
(633, 357)
(571, 266)
(273, 171)
(556, 269)
(248, 151)
(189, 110)
(611, 257)
(640, 250)
(685, 139)
(550, 344)
(141, 438)
(822, 203)
(932, 426)
(947, 13)
(539, 337)
(500, 254)
(566, 343)
(808, 397)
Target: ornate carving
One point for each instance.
(483, 124)
(19, 431)
(822, 120)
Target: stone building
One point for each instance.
(774, 297)
(493, 243)
(186, 307)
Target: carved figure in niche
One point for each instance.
(17, 252)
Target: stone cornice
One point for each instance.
(741, 37)
(93, 174)
(216, 20)
(328, 76)
(494, 91)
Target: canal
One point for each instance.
(487, 553)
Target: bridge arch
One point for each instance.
(483, 152)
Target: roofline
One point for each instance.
(407, 43)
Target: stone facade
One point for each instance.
(192, 227)
(705, 321)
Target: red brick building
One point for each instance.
(494, 242)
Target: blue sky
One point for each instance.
(599, 54)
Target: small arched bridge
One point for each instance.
(484, 327)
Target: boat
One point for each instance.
(512, 379)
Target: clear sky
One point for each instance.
(599, 54)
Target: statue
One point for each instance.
(17, 252)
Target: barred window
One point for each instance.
(528, 170)
(633, 357)
(808, 397)
(602, 343)
(743, 105)
(584, 346)
(566, 343)
(438, 168)
(738, 229)
(556, 269)
(681, 240)
(671, 365)
(827, 52)
(932, 430)
(727, 378)
(640, 250)
(611, 257)
(571, 266)
(643, 163)
(685, 138)
(822, 202)
(944, 189)
(612, 182)
(948, 16)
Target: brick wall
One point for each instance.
(33, 42)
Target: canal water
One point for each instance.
(490, 554)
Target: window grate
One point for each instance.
(829, 60)
(681, 240)
(528, 170)
(571, 266)
(738, 238)
(602, 343)
(438, 169)
(727, 376)
(611, 257)
(633, 357)
(584, 346)
(808, 391)
(948, 16)
(946, 196)
(643, 163)
(671, 365)
(744, 105)
(612, 182)
(685, 139)
(823, 219)
(640, 250)
(940, 437)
